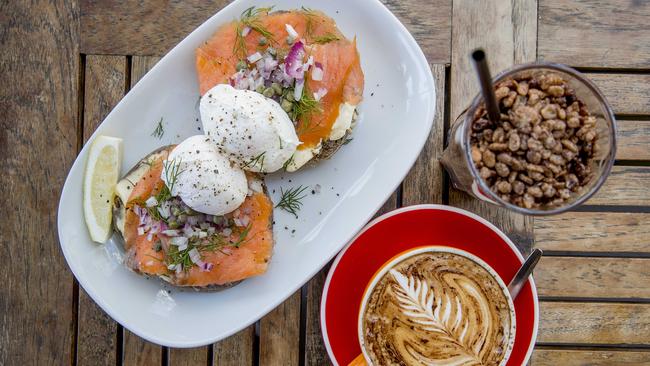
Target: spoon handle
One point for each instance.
(526, 269)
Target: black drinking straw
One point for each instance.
(485, 80)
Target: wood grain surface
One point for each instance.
(39, 138)
(627, 93)
(500, 18)
(280, 334)
(188, 356)
(593, 277)
(633, 140)
(104, 86)
(315, 352)
(553, 357)
(594, 232)
(599, 323)
(430, 24)
(594, 33)
(236, 350)
(626, 185)
(425, 182)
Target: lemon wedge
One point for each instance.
(102, 171)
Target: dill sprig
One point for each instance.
(250, 18)
(172, 169)
(290, 200)
(160, 130)
(303, 109)
(326, 38)
(259, 159)
(288, 162)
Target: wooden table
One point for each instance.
(65, 64)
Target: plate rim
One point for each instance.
(430, 114)
(434, 207)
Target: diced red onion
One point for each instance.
(320, 93)
(140, 230)
(180, 242)
(202, 234)
(207, 266)
(297, 91)
(179, 269)
(150, 236)
(192, 220)
(226, 232)
(195, 256)
(293, 62)
(245, 220)
(245, 31)
(254, 57)
(151, 201)
(164, 210)
(291, 31)
(171, 232)
(317, 73)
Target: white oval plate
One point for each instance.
(394, 124)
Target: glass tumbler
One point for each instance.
(457, 158)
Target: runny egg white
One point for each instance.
(204, 178)
(248, 128)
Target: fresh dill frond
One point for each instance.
(326, 38)
(242, 236)
(288, 162)
(309, 13)
(303, 109)
(160, 130)
(290, 200)
(250, 18)
(259, 159)
(172, 170)
(181, 258)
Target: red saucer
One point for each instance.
(404, 229)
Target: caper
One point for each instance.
(286, 105)
(262, 41)
(268, 92)
(173, 225)
(176, 211)
(277, 88)
(260, 89)
(241, 65)
(190, 212)
(290, 96)
(218, 220)
(182, 218)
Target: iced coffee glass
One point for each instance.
(564, 148)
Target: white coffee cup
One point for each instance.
(364, 358)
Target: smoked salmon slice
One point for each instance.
(239, 44)
(245, 236)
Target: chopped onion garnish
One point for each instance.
(318, 95)
(195, 256)
(297, 91)
(317, 73)
(151, 201)
(291, 31)
(202, 234)
(245, 31)
(293, 62)
(150, 236)
(171, 232)
(254, 57)
(171, 267)
(226, 232)
(164, 210)
(207, 266)
(140, 230)
(179, 241)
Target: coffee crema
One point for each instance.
(437, 308)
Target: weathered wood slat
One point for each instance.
(280, 334)
(425, 181)
(555, 357)
(490, 25)
(599, 323)
(627, 93)
(136, 350)
(105, 79)
(633, 140)
(146, 27)
(594, 33)
(188, 356)
(593, 277)
(430, 24)
(626, 185)
(236, 350)
(38, 143)
(594, 232)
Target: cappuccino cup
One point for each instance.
(436, 305)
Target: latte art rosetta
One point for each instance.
(437, 308)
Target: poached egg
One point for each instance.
(203, 178)
(250, 129)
